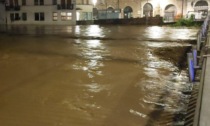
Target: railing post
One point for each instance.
(191, 67)
(198, 40)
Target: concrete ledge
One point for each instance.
(205, 102)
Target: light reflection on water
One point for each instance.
(156, 32)
(87, 80)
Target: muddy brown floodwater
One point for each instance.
(92, 75)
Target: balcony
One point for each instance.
(65, 6)
(70, 6)
(12, 8)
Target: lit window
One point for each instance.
(69, 15)
(55, 16)
(63, 16)
(66, 16)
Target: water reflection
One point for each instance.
(155, 32)
(94, 30)
(94, 44)
(69, 29)
(77, 30)
(92, 51)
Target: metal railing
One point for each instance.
(193, 65)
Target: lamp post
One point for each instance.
(118, 4)
(106, 8)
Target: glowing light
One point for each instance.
(156, 2)
(94, 2)
(78, 16)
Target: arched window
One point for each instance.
(170, 13)
(202, 8)
(148, 10)
(128, 12)
(110, 9)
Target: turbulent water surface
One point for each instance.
(89, 75)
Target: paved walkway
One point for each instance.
(205, 101)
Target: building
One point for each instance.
(84, 9)
(53, 12)
(50, 12)
(2, 12)
(169, 9)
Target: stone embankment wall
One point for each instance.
(131, 21)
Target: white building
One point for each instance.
(50, 12)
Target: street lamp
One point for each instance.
(182, 7)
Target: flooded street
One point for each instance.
(90, 75)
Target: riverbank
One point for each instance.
(176, 55)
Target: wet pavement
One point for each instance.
(89, 75)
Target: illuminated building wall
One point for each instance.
(170, 9)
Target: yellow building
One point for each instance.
(169, 9)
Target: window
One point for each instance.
(38, 2)
(24, 16)
(16, 2)
(14, 16)
(66, 16)
(54, 2)
(41, 2)
(63, 16)
(68, 1)
(23, 2)
(17, 16)
(11, 2)
(69, 15)
(62, 2)
(55, 16)
(39, 16)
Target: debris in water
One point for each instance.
(137, 113)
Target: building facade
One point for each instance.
(84, 9)
(53, 12)
(50, 12)
(169, 9)
(2, 12)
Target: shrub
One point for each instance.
(186, 22)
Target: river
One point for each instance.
(90, 75)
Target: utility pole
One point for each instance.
(106, 11)
(118, 4)
(182, 8)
